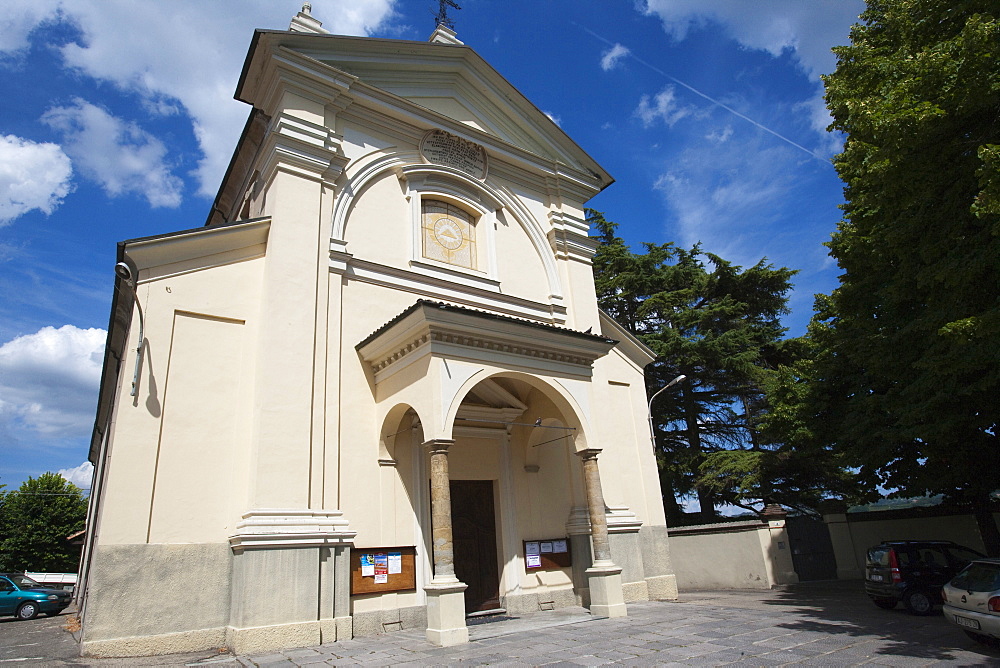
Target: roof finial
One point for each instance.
(442, 15)
(305, 22)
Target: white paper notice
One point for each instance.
(534, 561)
(381, 578)
(395, 563)
(367, 566)
(546, 547)
(531, 548)
(559, 546)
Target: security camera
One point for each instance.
(123, 271)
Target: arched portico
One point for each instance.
(509, 458)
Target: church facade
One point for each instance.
(375, 391)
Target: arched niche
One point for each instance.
(492, 203)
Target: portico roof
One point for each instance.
(430, 327)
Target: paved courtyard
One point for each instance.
(813, 624)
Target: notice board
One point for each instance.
(547, 553)
(376, 570)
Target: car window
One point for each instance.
(904, 557)
(932, 556)
(879, 556)
(24, 582)
(978, 576)
(5, 585)
(963, 555)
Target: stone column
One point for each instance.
(445, 594)
(606, 596)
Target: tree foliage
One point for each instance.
(717, 324)
(35, 521)
(907, 372)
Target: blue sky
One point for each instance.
(118, 121)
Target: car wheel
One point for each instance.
(885, 603)
(918, 602)
(28, 610)
(981, 639)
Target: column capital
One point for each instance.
(589, 453)
(438, 445)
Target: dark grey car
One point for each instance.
(913, 571)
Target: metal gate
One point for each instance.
(812, 550)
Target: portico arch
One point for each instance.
(570, 412)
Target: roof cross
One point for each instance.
(442, 15)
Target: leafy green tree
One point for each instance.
(718, 325)
(908, 376)
(35, 521)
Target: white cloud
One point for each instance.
(727, 196)
(720, 136)
(82, 476)
(49, 381)
(32, 176)
(552, 117)
(179, 54)
(613, 56)
(116, 153)
(808, 29)
(662, 107)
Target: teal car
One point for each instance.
(24, 598)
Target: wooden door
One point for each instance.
(475, 539)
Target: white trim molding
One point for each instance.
(285, 527)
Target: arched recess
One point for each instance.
(399, 421)
(572, 416)
(409, 167)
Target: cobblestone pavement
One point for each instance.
(812, 624)
(829, 624)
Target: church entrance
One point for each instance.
(475, 540)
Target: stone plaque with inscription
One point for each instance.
(440, 148)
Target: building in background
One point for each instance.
(374, 391)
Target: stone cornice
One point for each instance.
(429, 328)
(270, 528)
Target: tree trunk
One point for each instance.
(671, 508)
(705, 501)
(707, 504)
(983, 512)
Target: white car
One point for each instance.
(972, 600)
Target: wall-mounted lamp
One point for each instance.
(124, 272)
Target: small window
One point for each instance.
(449, 233)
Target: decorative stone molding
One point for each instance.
(283, 527)
(570, 238)
(622, 520)
(578, 523)
(452, 331)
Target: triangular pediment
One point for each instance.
(448, 79)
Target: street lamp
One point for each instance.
(649, 409)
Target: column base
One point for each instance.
(606, 596)
(446, 613)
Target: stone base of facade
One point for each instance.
(260, 639)
(635, 591)
(522, 604)
(378, 622)
(662, 587)
(154, 645)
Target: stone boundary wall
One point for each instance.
(753, 554)
(853, 533)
